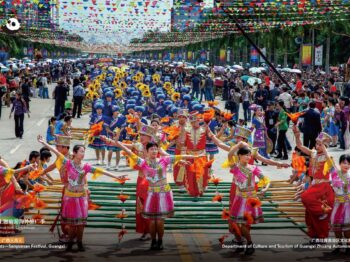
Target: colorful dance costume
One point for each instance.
(260, 135)
(244, 180)
(159, 202)
(142, 224)
(340, 218)
(114, 125)
(50, 139)
(180, 149)
(7, 202)
(210, 147)
(97, 143)
(75, 198)
(196, 180)
(320, 190)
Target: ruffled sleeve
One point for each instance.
(335, 180)
(328, 166)
(7, 173)
(96, 171)
(136, 162)
(60, 161)
(263, 180)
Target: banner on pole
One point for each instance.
(263, 50)
(318, 55)
(189, 55)
(203, 55)
(254, 56)
(228, 57)
(222, 55)
(306, 56)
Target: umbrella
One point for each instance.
(253, 80)
(3, 68)
(238, 67)
(202, 67)
(286, 69)
(297, 71)
(232, 71)
(255, 70)
(219, 69)
(245, 77)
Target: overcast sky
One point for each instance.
(115, 21)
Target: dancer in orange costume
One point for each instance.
(318, 199)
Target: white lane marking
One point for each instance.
(15, 149)
(40, 122)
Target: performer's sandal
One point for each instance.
(160, 244)
(153, 245)
(240, 247)
(249, 250)
(69, 246)
(81, 248)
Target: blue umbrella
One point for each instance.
(245, 78)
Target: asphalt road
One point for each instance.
(179, 246)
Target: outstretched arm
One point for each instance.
(217, 141)
(270, 162)
(51, 148)
(304, 149)
(235, 148)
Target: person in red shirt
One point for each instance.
(299, 84)
(332, 87)
(3, 89)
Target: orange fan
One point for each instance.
(208, 115)
(23, 164)
(228, 116)
(122, 180)
(217, 198)
(38, 217)
(131, 119)
(123, 198)
(295, 116)
(25, 201)
(298, 163)
(34, 174)
(254, 202)
(248, 217)
(172, 131)
(165, 120)
(93, 206)
(225, 215)
(96, 129)
(215, 180)
(39, 204)
(38, 188)
(121, 215)
(130, 131)
(213, 103)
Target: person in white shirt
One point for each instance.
(286, 98)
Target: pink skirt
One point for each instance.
(159, 203)
(75, 210)
(340, 218)
(238, 209)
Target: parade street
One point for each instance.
(188, 245)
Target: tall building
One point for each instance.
(186, 14)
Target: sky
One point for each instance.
(115, 21)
